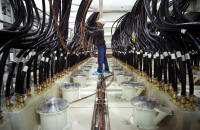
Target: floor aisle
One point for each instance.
(120, 110)
(80, 113)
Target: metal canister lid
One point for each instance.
(52, 105)
(87, 66)
(117, 69)
(123, 74)
(145, 102)
(127, 75)
(115, 66)
(131, 84)
(86, 70)
(120, 74)
(71, 85)
(90, 64)
(80, 71)
(79, 75)
(164, 110)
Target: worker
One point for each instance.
(98, 34)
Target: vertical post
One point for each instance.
(198, 5)
(1, 16)
(101, 8)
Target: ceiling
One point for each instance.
(108, 5)
(112, 9)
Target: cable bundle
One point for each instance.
(79, 28)
(161, 39)
(40, 42)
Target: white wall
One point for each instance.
(112, 16)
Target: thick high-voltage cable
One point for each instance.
(159, 33)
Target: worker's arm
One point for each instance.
(91, 28)
(94, 30)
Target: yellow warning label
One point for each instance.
(133, 36)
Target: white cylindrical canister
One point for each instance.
(70, 91)
(81, 79)
(53, 114)
(131, 89)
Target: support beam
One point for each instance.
(101, 8)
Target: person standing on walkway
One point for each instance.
(98, 35)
